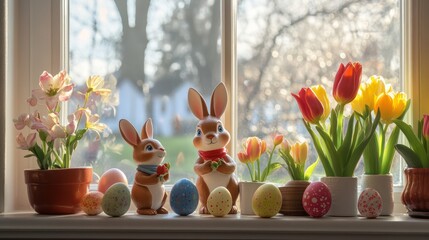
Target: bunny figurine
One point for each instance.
(148, 192)
(214, 166)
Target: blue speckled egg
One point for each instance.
(184, 197)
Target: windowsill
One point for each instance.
(131, 226)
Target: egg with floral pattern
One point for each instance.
(316, 199)
(370, 203)
(91, 203)
(219, 202)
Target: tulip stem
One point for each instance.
(250, 171)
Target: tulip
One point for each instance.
(320, 92)
(242, 156)
(425, 130)
(255, 147)
(26, 143)
(278, 139)
(299, 152)
(368, 93)
(310, 106)
(391, 105)
(347, 82)
(285, 146)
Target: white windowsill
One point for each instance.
(131, 226)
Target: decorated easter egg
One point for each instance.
(116, 200)
(111, 177)
(267, 201)
(316, 199)
(370, 203)
(219, 202)
(184, 197)
(91, 203)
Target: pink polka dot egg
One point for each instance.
(316, 199)
(370, 203)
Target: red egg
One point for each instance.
(111, 177)
(316, 199)
(91, 203)
(370, 203)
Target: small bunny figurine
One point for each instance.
(148, 193)
(214, 166)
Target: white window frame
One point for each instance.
(35, 41)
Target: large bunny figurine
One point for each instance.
(214, 166)
(148, 191)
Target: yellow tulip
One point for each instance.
(391, 105)
(369, 92)
(299, 152)
(320, 92)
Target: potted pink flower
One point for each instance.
(56, 188)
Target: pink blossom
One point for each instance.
(26, 143)
(71, 126)
(22, 121)
(32, 101)
(53, 89)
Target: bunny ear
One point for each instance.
(219, 100)
(147, 129)
(129, 133)
(197, 104)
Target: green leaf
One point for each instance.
(409, 156)
(344, 150)
(357, 152)
(325, 162)
(333, 127)
(29, 155)
(332, 152)
(371, 156)
(389, 151)
(415, 144)
(269, 169)
(309, 171)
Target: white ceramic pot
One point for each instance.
(344, 196)
(247, 189)
(383, 184)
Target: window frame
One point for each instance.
(30, 48)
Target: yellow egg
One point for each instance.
(267, 201)
(91, 203)
(219, 202)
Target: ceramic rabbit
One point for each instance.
(148, 192)
(214, 166)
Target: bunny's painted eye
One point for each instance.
(199, 132)
(149, 148)
(220, 128)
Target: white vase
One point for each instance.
(344, 196)
(383, 184)
(247, 189)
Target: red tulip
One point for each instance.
(310, 106)
(347, 82)
(425, 129)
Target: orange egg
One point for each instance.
(111, 177)
(91, 203)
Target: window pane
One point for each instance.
(285, 45)
(150, 52)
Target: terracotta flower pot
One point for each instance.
(415, 196)
(292, 198)
(57, 191)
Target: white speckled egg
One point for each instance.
(116, 200)
(267, 200)
(219, 202)
(317, 199)
(370, 203)
(91, 203)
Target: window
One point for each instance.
(151, 52)
(35, 42)
(283, 46)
